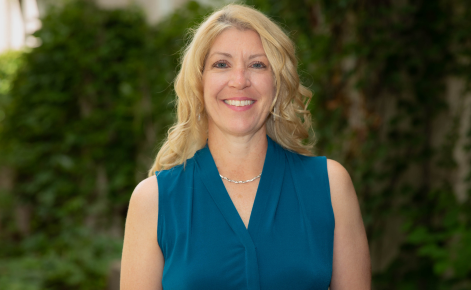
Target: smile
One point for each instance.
(239, 103)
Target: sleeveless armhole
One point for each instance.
(159, 214)
(327, 185)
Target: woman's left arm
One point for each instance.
(351, 267)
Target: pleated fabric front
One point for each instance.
(289, 240)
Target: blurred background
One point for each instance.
(86, 97)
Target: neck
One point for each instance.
(238, 157)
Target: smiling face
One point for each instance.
(238, 83)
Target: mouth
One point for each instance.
(238, 103)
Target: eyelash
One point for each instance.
(218, 62)
(259, 62)
(225, 62)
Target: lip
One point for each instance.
(239, 109)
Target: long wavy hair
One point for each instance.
(290, 120)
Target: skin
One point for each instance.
(237, 68)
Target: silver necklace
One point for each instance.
(235, 181)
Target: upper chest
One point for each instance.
(243, 198)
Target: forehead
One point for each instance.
(235, 41)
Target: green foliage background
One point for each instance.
(82, 115)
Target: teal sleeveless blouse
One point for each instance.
(289, 240)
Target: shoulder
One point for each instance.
(146, 189)
(341, 186)
(146, 185)
(338, 175)
(298, 160)
(145, 196)
(342, 192)
(176, 172)
(172, 180)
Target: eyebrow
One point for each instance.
(230, 56)
(257, 55)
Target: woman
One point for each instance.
(233, 208)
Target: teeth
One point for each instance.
(238, 103)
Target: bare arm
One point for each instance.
(142, 261)
(351, 262)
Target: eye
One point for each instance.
(221, 64)
(259, 65)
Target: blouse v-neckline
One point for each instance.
(266, 197)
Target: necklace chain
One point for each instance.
(240, 182)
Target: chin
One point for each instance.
(243, 130)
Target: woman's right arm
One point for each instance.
(142, 261)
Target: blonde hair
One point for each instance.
(291, 120)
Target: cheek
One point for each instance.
(212, 86)
(266, 86)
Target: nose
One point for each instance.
(240, 79)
